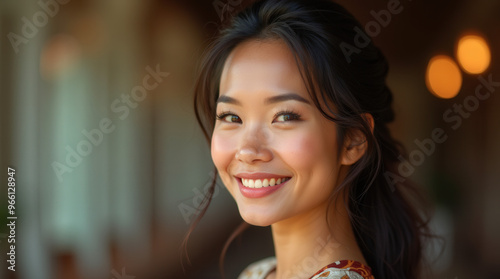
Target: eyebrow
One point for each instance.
(271, 100)
(228, 100)
(286, 97)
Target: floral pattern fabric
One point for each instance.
(346, 269)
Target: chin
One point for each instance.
(260, 220)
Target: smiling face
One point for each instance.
(274, 150)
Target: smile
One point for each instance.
(259, 183)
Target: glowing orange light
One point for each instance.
(443, 77)
(473, 54)
(58, 55)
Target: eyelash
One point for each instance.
(294, 116)
(223, 115)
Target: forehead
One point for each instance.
(261, 66)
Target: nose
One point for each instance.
(254, 147)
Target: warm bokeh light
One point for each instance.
(443, 77)
(58, 55)
(473, 54)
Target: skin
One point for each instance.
(255, 135)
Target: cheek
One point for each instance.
(307, 150)
(222, 152)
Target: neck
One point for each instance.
(305, 243)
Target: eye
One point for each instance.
(228, 117)
(286, 116)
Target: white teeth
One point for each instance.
(258, 183)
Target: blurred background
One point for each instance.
(97, 121)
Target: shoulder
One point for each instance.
(344, 270)
(335, 273)
(259, 270)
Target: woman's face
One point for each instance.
(275, 152)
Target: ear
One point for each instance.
(355, 144)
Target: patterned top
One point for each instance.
(346, 269)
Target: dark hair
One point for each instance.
(388, 227)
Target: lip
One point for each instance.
(259, 175)
(258, 192)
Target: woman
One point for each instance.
(297, 119)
